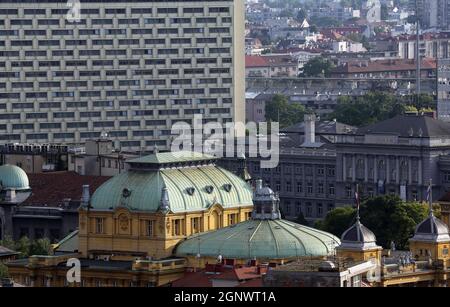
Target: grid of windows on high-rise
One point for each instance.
(131, 66)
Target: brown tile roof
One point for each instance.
(52, 188)
(383, 65)
(243, 275)
(255, 61)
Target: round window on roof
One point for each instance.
(126, 192)
(209, 189)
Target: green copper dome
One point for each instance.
(191, 183)
(13, 177)
(261, 239)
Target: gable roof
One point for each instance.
(255, 61)
(172, 157)
(402, 125)
(52, 189)
(322, 127)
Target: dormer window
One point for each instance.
(190, 190)
(209, 189)
(227, 187)
(126, 193)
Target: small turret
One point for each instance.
(266, 203)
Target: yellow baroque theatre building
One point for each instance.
(130, 226)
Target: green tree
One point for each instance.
(3, 271)
(279, 109)
(23, 246)
(338, 220)
(390, 219)
(8, 242)
(367, 109)
(301, 220)
(317, 67)
(41, 247)
(313, 29)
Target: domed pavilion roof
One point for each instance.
(431, 229)
(13, 177)
(358, 237)
(261, 239)
(186, 181)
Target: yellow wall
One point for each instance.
(126, 232)
(439, 251)
(360, 255)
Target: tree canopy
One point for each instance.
(317, 67)
(376, 106)
(390, 219)
(279, 109)
(301, 220)
(27, 247)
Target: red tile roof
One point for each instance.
(201, 278)
(52, 188)
(383, 65)
(255, 61)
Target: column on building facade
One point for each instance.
(409, 170)
(366, 169)
(419, 180)
(344, 169)
(375, 169)
(388, 169)
(397, 172)
(353, 168)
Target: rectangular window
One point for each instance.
(177, 229)
(149, 228)
(195, 225)
(99, 225)
(232, 219)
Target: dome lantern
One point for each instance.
(266, 203)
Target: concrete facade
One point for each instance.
(131, 69)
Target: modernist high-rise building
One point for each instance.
(443, 89)
(433, 13)
(128, 68)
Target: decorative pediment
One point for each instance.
(215, 207)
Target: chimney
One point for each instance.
(85, 198)
(310, 131)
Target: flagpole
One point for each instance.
(357, 202)
(430, 197)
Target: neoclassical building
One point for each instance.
(130, 226)
(162, 199)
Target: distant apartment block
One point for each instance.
(128, 68)
(443, 86)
